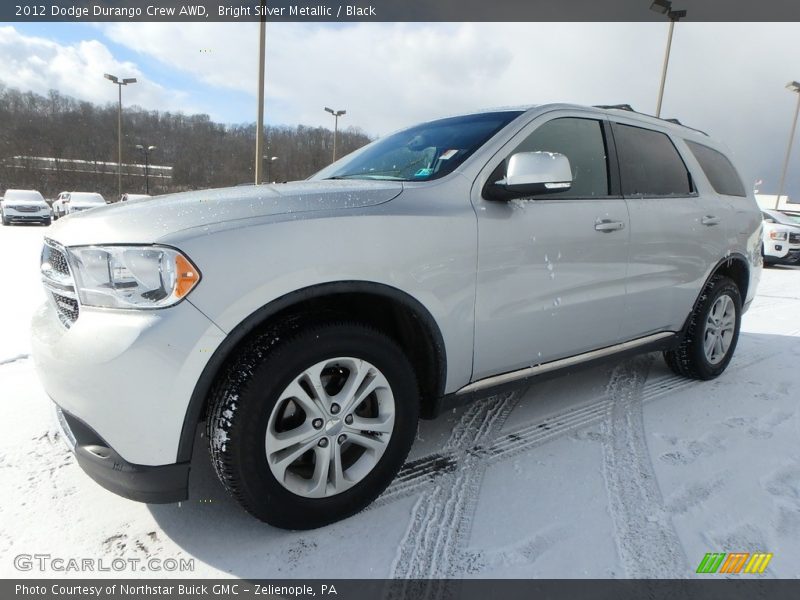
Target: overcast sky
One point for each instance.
(727, 79)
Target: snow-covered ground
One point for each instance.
(620, 471)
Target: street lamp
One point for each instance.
(336, 114)
(664, 7)
(792, 86)
(262, 45)
(119, 82)
(146, 150)
(270, 160)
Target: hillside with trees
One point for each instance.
(202, 153)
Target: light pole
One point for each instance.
(665, 8)
(119, 82)
(336, 114)
(270, 160)
(146, 150)
(262, 43)
(792, 86)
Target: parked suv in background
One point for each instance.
(781, 238)
(24, 206)
(80, 201)
(311, 324)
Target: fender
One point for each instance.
(197, 401)
(727, 261)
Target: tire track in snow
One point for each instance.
(640, 520)
(426, 470)
(449, 493)
(13, 359)
(442, 516)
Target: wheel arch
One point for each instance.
(393, 311)
(734, 266)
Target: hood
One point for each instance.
(18, 203)
(150, 219)
(786, 226)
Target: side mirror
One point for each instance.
(530, 174)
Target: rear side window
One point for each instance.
(721, 173)
(649, 163)
(583, 143)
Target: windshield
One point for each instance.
(87, 198)
(423, 152)
(24, 195)
(782, 218)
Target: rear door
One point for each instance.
(677, 233)
(551, 269)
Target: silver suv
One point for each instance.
(311, 324)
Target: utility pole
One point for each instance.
(792, 86)
(146, 150)
(665, 8)
(336, 114)
(119, 82)
(262, 43)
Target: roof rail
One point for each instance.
(629, 108)
(676, 122)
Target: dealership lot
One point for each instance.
(623, 470)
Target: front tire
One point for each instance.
(309, 426)
(710, 340)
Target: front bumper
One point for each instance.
(154, 485)
(126, 374)
(783, 254)
(24, 217)
(792, 258)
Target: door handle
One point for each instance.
(607, 226)
(710, 220)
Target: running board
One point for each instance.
(570, 361)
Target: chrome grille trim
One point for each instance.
(58, 281)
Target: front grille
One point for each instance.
(67, 309)
(27, 208)
(57, 279)
(58, 261)
(794, 238)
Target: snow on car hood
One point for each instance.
(153, 218)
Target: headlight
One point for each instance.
(777, 235)
(131, 276)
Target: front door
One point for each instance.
(552, 269)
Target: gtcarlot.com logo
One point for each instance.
(59, 564)
(734, 562)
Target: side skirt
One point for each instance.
(557, 368)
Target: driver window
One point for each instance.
(583, 143)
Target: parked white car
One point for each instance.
(24, 206)
(781, 238)
(80, 201)
(134, 197)
(60, 205)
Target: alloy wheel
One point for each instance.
(330, 427)
(719, 329)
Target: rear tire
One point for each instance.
(266, 396)
(710, 340)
